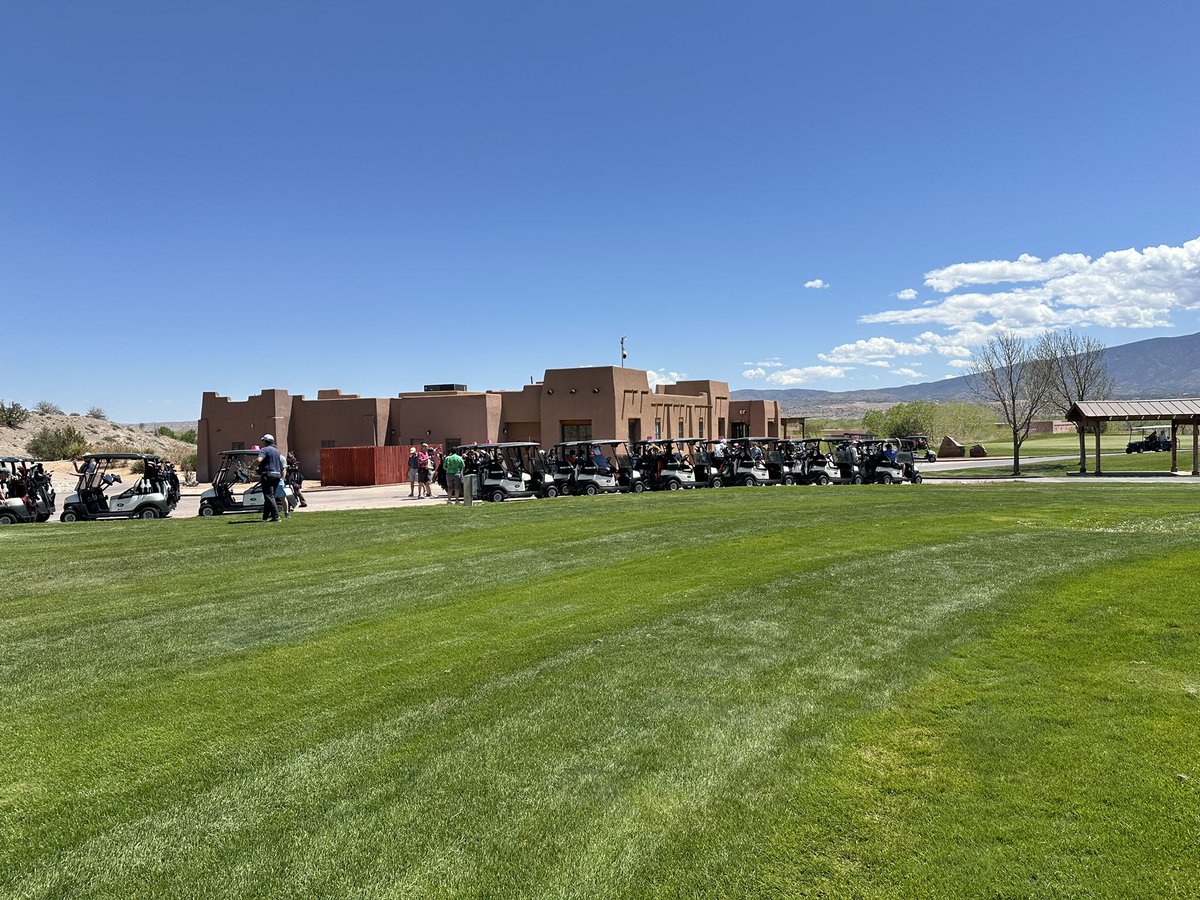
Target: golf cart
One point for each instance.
(1151, 441)
(507, 470)
(884, 463)
(581, 467)
(918, 446)
(784, 460)
(153, 496)
(26, 491)
(664, 464)
(237, 468)
(838, 463)
(746, 463)
(708, 460)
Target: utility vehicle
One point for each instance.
(664, 464)
(508, 470)
(237, 469)
(26, 491)
(153, 496)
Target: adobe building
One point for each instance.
(606, 402)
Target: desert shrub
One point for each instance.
(46, 408)
(117, 446)
(57, 443)
(14, 415)
(166, 431)
(96, 413)
(188, 462)
(188, 437)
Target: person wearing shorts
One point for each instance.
(414, 467)
(423, 489)
(453, 465)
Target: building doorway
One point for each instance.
(635, 430)
(741, 430)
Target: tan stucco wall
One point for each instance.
(438, 417)
(348, 421)
(224, 422)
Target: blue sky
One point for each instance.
(473, 192)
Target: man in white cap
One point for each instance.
(270, 472)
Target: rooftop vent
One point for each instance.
(445, 387)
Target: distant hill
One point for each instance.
(1155, 368)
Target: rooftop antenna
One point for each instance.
(624, 355)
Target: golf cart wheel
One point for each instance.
(788, 481)
(43, 517)
(206, 510)
(749, 481)
(639, 487)
(591, 490)
(930, 457)
(673, 485)
(69, 515)
(496, 496)
(551, 492)
(149, 512)
(885, 478)
(917, 479)
(716, 482)
(822, 479)
(7, 519)
(857, 479)
(1128, 450)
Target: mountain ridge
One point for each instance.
(1162, 367)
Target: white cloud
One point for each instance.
(754, 373)
(909, 373)
(998, 271)
(878, 363)
(772, 363)
(807, 374)
(815, 283)
(663, 377)
(959, 364)
(906, 294)
(872, 348)
(1121, 289)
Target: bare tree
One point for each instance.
(1007, 372)
(1077, 371)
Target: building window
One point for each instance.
(721, 427)
(680, 429)
(635, 430)
(327, 444)
(701, 429)
(238, 445)
(658, 429)
(576, 431)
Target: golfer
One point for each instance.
(270, 473)
(453, 465)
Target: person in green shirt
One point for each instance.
(453, 464)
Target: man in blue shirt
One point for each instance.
(270, 471)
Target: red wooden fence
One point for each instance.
(363, 465)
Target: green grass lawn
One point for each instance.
(1056, 444)
(986, 691)
(1114, 463)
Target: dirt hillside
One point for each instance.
(101, 435)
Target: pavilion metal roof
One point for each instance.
(1131, 410)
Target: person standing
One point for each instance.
(423, 458)
(414, 468)
(270, 473)
(454, 465)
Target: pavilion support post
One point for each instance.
(1195, 450)
(1096, 428)
(1174, 448)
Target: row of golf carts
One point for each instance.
(501, 471)
(518, 469)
